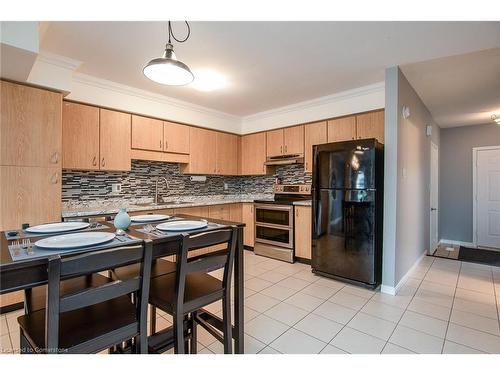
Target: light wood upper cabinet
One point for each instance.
(253, 154)
(274, 142)
(247, 213)
(147, 133)
(114, 140)
(293, 140)
(314, 134)
(370, 125)
(175, 138)
(342, 129)
(30, 126)
(80, 136)
(303, 232)
(29, 195)
(227, 154)
(202, 151)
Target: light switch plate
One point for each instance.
(116, 188)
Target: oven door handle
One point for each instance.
(274, 207)
(275, 226)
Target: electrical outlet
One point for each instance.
(226, 186)
(116, 188)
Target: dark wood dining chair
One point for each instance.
(183, 293)
(95, 318)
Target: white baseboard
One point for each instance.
(394, 290)
(454, 242)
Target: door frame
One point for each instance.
(474, 188)
(433, 145)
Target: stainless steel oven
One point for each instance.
(274, 231)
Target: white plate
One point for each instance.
(75, 240)
(146, 218)
(58, 227)
(179, 225)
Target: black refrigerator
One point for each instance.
(347, 211)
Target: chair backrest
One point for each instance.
(88, 264)
(206, 262)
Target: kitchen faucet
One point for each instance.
(156, 187)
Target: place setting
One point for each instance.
(50, 229)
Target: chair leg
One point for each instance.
(152, 319)
(24, 346)
(226, 325)
(179, 343)
(194, 335)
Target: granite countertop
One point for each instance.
(111, 206)
(307, 203)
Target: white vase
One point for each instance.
(122, 220)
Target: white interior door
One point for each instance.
(434, 199)
(488, 197)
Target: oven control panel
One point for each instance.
(304, 189)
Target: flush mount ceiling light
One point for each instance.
(496, 119)
(167, 70)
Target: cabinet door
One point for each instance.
(147, 133)
(202, 151)
(220, 212)
(274, 141)
(80, 136)
(253, 154)
(370, 125)
(227, 154)
(247, 213)
(235, 213)
(29, 195)
(175, 138)
(114, 140)
(30, 126)
(314, 134)
(201, 211)
(303, 232)
(342, 129)
(293, 140)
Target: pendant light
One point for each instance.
(167, 70)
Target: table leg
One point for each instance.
(238, 295)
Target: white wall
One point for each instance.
(407, 177)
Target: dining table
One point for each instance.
(31, 271)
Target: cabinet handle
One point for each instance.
(102, 162)
(55, 178)
(94, 161)
(55, 158)
(166, 145)
(306, 164)
(281, 149)
(286, 148)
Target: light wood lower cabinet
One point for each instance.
(11, 299)
(253, 154)
(30, 126)
(29, 195)
(114, 140)
(235, 212)
(247, 213)
(201, 211)
(220, 212)
(314, 134)
(303, 232)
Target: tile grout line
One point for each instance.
(451, 310)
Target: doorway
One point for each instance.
(486, 197)
(434, 199)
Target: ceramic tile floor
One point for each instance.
(445, 306)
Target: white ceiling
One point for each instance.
(268, 64)
(459, 90)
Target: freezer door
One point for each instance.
(343, 234)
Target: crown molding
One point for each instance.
(58, 60)
(378, 87)
(147, 95)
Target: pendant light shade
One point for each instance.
(167, 70)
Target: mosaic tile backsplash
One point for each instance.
(78, 186)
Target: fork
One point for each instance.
(14, 245)
(28, 246)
